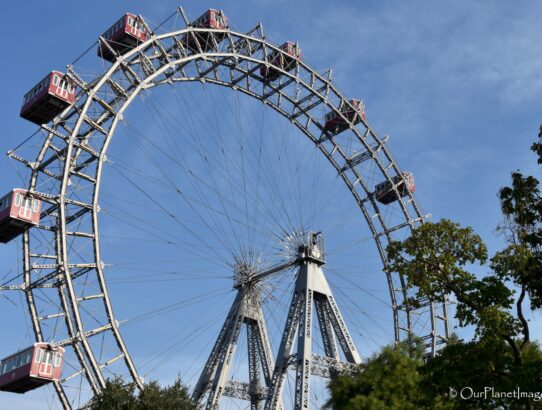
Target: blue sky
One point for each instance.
(456, 85)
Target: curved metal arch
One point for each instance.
(411, 221)
(232, 59)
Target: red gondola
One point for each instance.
(214, 19)
(385, 193)
(31, 368)
(48, 98)
(122, 36)
(334, 122)
(18, 212)
(286, 61)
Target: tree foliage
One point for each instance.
(389, 380)
(397, 378)
(435, 260)
(438, 259)
(118, 395)
(479, 365)
(521, 261)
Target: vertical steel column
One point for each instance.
(304, 340)
(253, 362)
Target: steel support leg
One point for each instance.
(246, 310)
(311, 290)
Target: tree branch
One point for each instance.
(522, 317)
(515, 349)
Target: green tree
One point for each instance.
(118, 395)
(176, 396)
(438, 260)
(435, 259)
(115, 395)
(388, 380)
(478, 365)
(521, 261)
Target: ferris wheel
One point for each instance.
(260, 224)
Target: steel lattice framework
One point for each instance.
(67, 173)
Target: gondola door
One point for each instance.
(25, 210)
(62, 89)
(46, 365)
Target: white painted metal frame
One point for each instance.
(74, 151)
